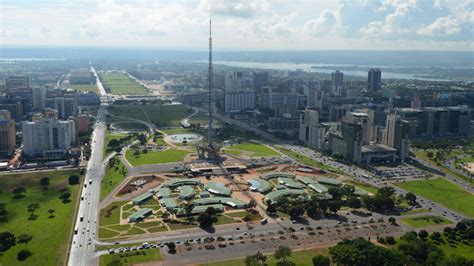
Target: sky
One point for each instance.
(242, 24)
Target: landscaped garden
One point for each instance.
(444, 192)
(155, 157)
(40, 210)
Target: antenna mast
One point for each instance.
(209, 126)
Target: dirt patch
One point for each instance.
(151, 181)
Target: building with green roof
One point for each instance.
(142, 198)
(200, 209)
(271, 175)
(360, 192)
(306, 179)
(329, 181)
(140, 215)
(163, 192)
(177, 182)
(169, 204)
(218, 189)
(318, 187)
(291, 183)
(234, 203)
(260, 185)
(273, 196)
(186, 192)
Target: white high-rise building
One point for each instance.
(239, 101)
(48, 138)
(397, 135)
(39, 99)
(311, 134)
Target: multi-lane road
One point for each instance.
(86, 226)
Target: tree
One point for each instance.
(23, 255)
(335, 206)
(256, 260)
(7, 240)
(18, 192)
(392, 220)
(252, 204)
(435, 236)
(51, 213)
(335, 192)
(165, 216)
(113, 143)
(429, 154)
(423, 234)
(282, 252)
(321, 260)
(171, 247)
(24, 239)
(73, 180)
(455, 260)
(211, 211)
(411, 198)
(386, 191)
(295, 212)
(285, 262)
(3, 212)
(271, 209)
(205, 220)
(31, 209)
(312, 210)
(65, 196)
(354, 202)
(44, 182)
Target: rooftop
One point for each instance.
(270, 175)
(260, 185)
(140, 214)
(218, 188)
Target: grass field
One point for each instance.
(153, 157)
(302, 257)
(250, 149)
(308, 161)
(113, 176)
(131, 258)
(119, 83)
(443, 192)
(159, 114)
(85, 88)
(51, 232)
(368, 187)
(108, 137)
(423, 221)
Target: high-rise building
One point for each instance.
(348, 143)
(7, 134)
(397, 135)
(82, 122)
(260, 80)
(366, 124)
(239, 101)
(315, 98)
(311, 134)
(16, 82)
(337, 79)
(416, 102)
(64, 101)
(374, 79)
(39, 97)
(48, 138)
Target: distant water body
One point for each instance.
(313, 67)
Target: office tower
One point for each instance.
(50, 113)
(315, 98)
(64, 101)
(282, 103)
(235, 101)
(459, 119)
(337, 79)
(374, 79)
(311, 134)
(82, 123)
(7, 134)
(16, 112)
(348, 143)
(363, 119)
(39, 99)
(397, 135)
(48, 138)
(416, 102)
(260, 80)
(435, 121)
(219, 80)
(16, 82)
(415, 117)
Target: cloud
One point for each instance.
(323, 24)
(237, 8)
(441, 27)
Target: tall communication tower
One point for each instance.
(209, 77)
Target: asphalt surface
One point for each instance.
(83, 241)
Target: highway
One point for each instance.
(86, 225)
(99, 84)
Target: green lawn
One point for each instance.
(113, 176)
(85, 88)
(153, 157)
(108, 137)
(443, 192)
(131, 258)
(160, 114)
(111, 214)
(308, 161)
(177, 131)
(302, 257)
(422, 155)
(423, 221)
(120, 83)
(250, 149)
(458, 248)
(368, 187)
(55, 229)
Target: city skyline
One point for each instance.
(254, 25)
